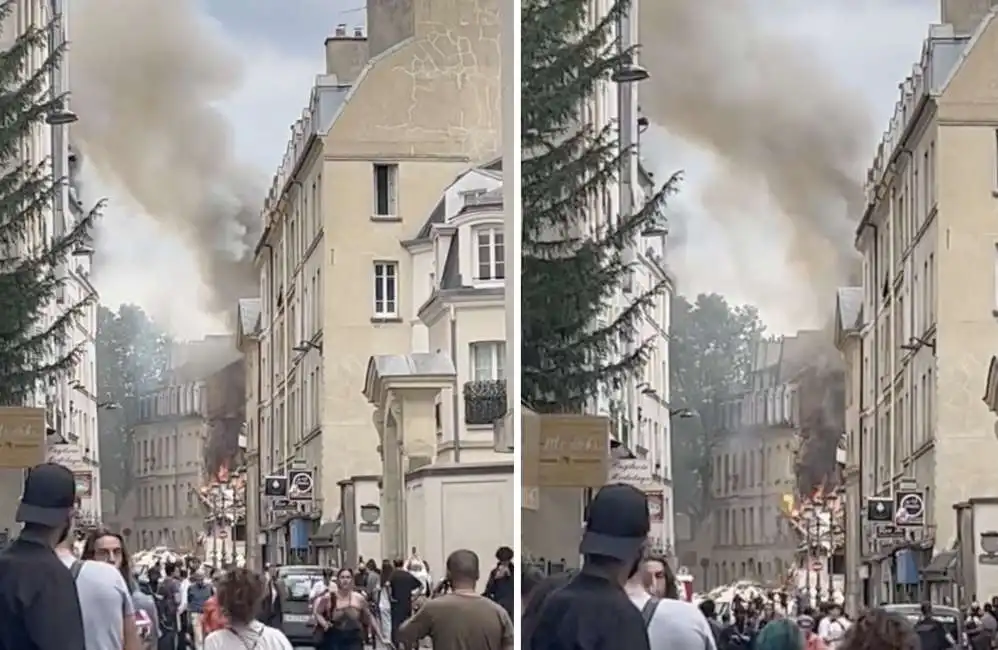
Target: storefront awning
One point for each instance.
(940, 568)
(328, 534)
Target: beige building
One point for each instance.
(248, 343)
(930, 295)
(775, 446)
(395, 118)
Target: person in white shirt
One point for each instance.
(672, 624)
(320, 588)
(832, 629)
(239, 593)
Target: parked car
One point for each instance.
(296, 610)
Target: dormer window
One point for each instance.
(490, 253)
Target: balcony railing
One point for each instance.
(484, 401)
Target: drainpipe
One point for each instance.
(455, 399)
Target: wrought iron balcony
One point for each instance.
(484, 401)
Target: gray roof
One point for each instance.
(437, 216)
(850, 308)
(249, 315)
(414, 363)
(439, 213)
(450, 278)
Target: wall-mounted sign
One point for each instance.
(909, 508)
(22, 437)
(632, 471)
(656, 505)
(301, 484)
(572, 451)
(275, 486)
(880, 510)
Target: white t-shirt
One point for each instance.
(675, 625)
(318, 589)
(256, 636)
(832, 632)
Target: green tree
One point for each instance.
(573, 344)
(132, 358)
(34, 263)
(710, 356)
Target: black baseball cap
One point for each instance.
(617, 523)
(49, 496)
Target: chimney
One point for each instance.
(346, 55)
(389, 22)
(965, 15)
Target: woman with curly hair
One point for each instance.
(878, 629)
(240, 593)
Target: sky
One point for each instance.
(866, 47)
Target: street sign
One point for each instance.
(879, 510)
(301, 484)
(275, 486)
(909, 508)
(890, 531)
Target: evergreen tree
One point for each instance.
(572, 343)
(33, 264)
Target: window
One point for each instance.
(385, 190)
(490, 254)
(487, 360)
(386, 289)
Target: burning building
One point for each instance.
(185, 439)
(775, 444)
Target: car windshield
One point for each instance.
(299, 582)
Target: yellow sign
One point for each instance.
(574, 451)
(22, 437)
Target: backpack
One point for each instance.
(648, 611)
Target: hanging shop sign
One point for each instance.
(84, 484)
(301, 484)
(909, 508)
(275, 486)
(879, 510)
(569, 451)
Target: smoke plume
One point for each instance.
(777, 123)
(146, 77)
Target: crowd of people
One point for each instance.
(52, 599)
(625, 597)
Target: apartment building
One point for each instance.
(69, 400)
(930, 272)
(185, 437)
(396, 116)
(774, 445)
(248, 343)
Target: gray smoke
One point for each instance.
(775, 119)
(146, 76)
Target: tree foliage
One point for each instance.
(574, 343)
(132, 359)
(35, 345)
(710, 357)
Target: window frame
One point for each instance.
(384, 278)
(496, 247)
(497, 368)
(391, 191)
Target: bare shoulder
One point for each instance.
(359, 600)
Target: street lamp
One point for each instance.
(682, 413)
(305, 346)
(108, 406)
(61, 117)
(629, 73)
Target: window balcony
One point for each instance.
(484, 401)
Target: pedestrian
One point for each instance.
(501, 587)
(740, 633)
(271, 610)
(709, 610)
(878, 629)
(198, 594)
(670, 622)
(404, 588)
(155, 574)
(239, 593)
(39, 606)
(213, 618)
(384, 605)
(780, 634)
(530, 578)
(592, 610)
(932, 634)
(812, 640)
(462, 619)
(168, 605)
(104, 545)
(342, 616)
(833, 627)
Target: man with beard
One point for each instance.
(39, 607)
(592, 610)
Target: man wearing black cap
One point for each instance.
(592, 610)
(39, 608)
